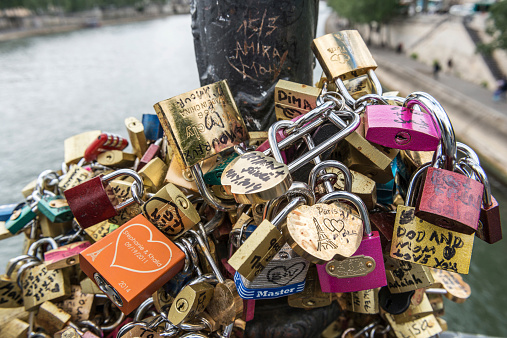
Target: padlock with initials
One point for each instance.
(365, 268)
(131, 263)
(93, 201)
(293, 99)
(401, 128)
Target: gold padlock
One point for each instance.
(122, 189)
(425, 327)
(116, 159)
(171, 212)
(423, 309)
(75, 146)
(74, 176)
(153, 174)
(312, 296)
(52, 318)
(89, 287)
(293, 99)
(136, 135)
(79, 305)
(4, 233)
(201, 123)
(50, 229)
(404, 276)
(365, 301)
(191, 301)
(14, 328)
(362, 186)
(10, 294)
(98, 231)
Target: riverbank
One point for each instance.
(73, 23)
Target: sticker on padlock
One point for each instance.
(266, 293)
(202, 122)
(93, 201)
(132, 262)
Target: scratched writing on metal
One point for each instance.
(421, 328)
(406, 116)
(255, 56)
(417, 241)
(289, 112)
(78, 305)
(10, 294)
(405, 276)
(167, 218)
(282, 275)
(40, 284)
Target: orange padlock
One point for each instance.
(132, 262)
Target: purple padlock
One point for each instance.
(364, 270)
(401, 128)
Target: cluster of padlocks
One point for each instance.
(354, 196)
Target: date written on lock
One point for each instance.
(131, 263)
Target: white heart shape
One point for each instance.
(149, 241)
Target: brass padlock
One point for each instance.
(75, 146)
(312, 296)
(98, 231)
(122, 189)
(116, 159)
(14, 328)
(52, 318)
(191, 301)
(424, 327)
(293, 99)
(423, 309)
(79, 305)
(76, 175)
(362, 186)
(403, 276)
(201, 123)
(153, 174)
(136, 135)
(171, 212)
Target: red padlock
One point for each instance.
(447, 199)
(94, 201)
(104, 141)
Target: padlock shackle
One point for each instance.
(376, 87)
(296, 189)
(187, 267)
(482, 177)
(208, 197)
(13, 262)
(32, 250)
(21, 270)
(414, 181)
(114, 325)
(194, 258)
(312, 179)
(137, 187)
(282, 215)
(362, 102)
(354, 199)
(435, 109)
(207, 254)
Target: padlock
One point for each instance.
(489, 228)
(394, 303)
(284, 275)
(136, 135)
(293, 99)
(312, 296)
(75, 146)
(20, 218)
(55, 208)
(413, 312)
(52, 318)
(135, 249)
(89, 287)
(116, 159)
(358, 86)
(93, 201)
(152, 127)
(401, 127)
(362, 186)
(256, 252)
(122, 189)
(256, 178)
(190, 301)
(74, 176)
(214, 175)
(4, 233)
(98, 231)
(103, 142)
(424, 327)
(152, 152)
(153, 174)
(79, 305)
(64, 256)
(456, 288)
(365, 268)
(10, 293)
(6, 211)
(447, 199)
(365, 301)
(171, 212)
(404, 276)
(418, 241)
(201, 123)
(15, 328)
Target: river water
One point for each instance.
(53, 87)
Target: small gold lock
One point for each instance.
(122, 189)
(227, 305)
(4, 233)
(293, 99)
(76, 175)
(136, 135)
(52, 318)
(117, 159)
(40, 285)
(98, 231)
(343, 55)
(75, 146)
(14, 328)
(50, 229)
(10, 294)
(423, 309)
(191, 301)
(426, 326)
(79, 306)
(312, 296)
(89, 287)
(28, 189)
(201, 123)
(362, 186)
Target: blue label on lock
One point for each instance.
(266, 293)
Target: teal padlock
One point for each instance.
(214, 176)
(55, 208)
(19, 218)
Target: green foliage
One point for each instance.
(497, 28)
(366, 11)
(414, 56)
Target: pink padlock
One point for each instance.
(94, 201)
(365, 269)
(401, 128)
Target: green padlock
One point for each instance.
(55, 208)
(214, 176)
(19, 218)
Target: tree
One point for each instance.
(371, 12)
(497, 28)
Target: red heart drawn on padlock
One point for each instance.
(137, 251)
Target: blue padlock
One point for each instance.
(6, 211)
(266, 293)
(387, 191)
(152, 127)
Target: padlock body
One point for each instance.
(370, 247)
(265, 293)
(450, 200)
(6, 211)
(91, 202)
(19, 219)
(490, 229)
(55, 208)
(152, 127)
(400, 128)
(135, 260)
(64, 256)
(293, 99)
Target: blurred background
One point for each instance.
(70, 66)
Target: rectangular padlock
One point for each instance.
(116, 159)
(40, 284)
(64, 256)
(76, 175)
(202, 122)
(75, 146)
(293, 99)
(4, 233)
(152, 127)
(79, 305)
(19, 219)
(131, 263)
(55, 208)
(136, 135)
